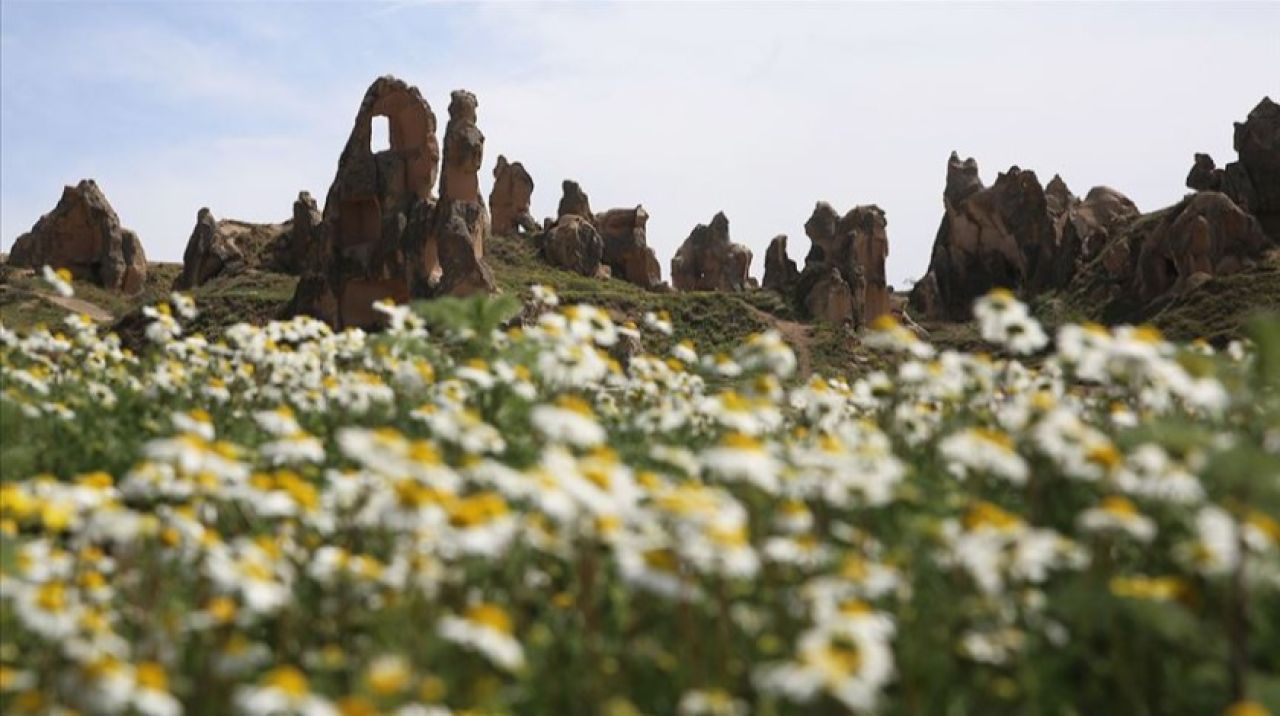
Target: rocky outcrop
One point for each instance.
(1081, 228)
(298, 251)
(1253, 181)
(709, 261)
(511, 198)
(780, 272)
(828, 297)
(460, 180)
(1229, 224)
(1169, 252)
(843, 280)
(463, 271)
(360, 252)
(382, 226)
(574, 244)
(609, 244)
(573, 200)
(1015, 234)
(626, 247)
(227, 247)
(83, 235)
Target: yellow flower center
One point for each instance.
(289, 680)
(151, 675)
(491, 616)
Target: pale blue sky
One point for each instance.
(755, 109)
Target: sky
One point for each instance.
(755, 109)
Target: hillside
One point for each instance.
(713, 321)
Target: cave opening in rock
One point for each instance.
(380, 134)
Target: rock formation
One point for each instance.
(1231, 222)
(83, 235)
(612, 243)
(626, 247)
(1081, 227)
(571, 241)
(1014, 234)
(382, 227)
(828, 297)
(227, 247)
(460, 200)
(709, 261)
(296, 252)
(843, 280)
(1253, 181)
(1171, 251)
(573, 200)
(510, 199)
(780, 272)
(574, 244)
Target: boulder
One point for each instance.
(511, 198)
(463, 271)
(626, 247)
(83, 235)
(780, 272)
(827, 296)
(573, 201)
(574, 244)
(709, 261)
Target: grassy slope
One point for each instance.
(713, 321)
(252, 296)
(1216, 310)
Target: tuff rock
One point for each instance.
(511, 198)
(709, 261)
(83, 235)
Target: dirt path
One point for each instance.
(76, 305)
(798, 335)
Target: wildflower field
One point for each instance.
(505, 509)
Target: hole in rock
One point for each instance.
(380, 137)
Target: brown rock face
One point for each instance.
(1014, 234)
(510, 199)
(854, 247)
(1206, 233)
(464, 273)
(574, 244)
(227, 247)
(780, 272)
(573, 201)
(828, 297)
(380, 231)
(460, 185)
(83, 235)
(304, 236)
(360, 248)
(709, 261)
(626, 246)
(1253, 182)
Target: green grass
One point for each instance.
(1218, 310)
(714, 322)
